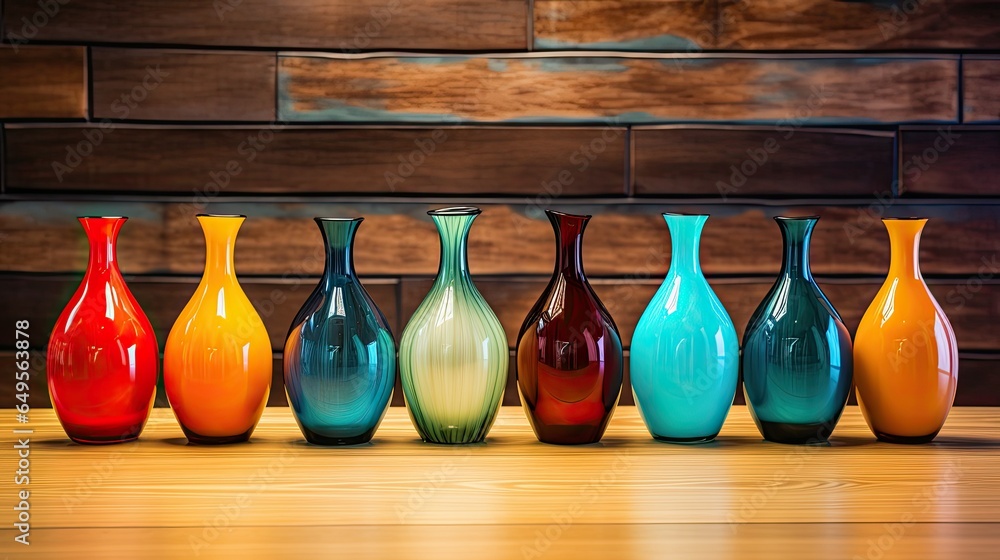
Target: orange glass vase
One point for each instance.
(905, 354)
(217, 362)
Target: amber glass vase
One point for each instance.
(102, 355)
(569, 353)
(905, 354)
(217, 362)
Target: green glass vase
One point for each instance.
(453, 355)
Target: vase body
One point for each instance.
(102, 356)
(217, 361)
(685, 353)
(569, 353)
(797, 362)
(340, 357)
(905, 353)
(453, 356)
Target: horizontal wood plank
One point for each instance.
(288, 160)
(624, 241)
(147, 84)
(981, 89)
(641, 25)
(854, 26)
(43, 82)
(948, 161)
(754, 162)
(342, 25)
(825, 541)
(768, 25)
(40, 299)
(511, 88)
(630, 479)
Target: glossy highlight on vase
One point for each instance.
(102, 358)
(685, 353)
(569, 352)
(217, 361)
(796, 363)
(340, 357)
(453, 356)
(905, 352)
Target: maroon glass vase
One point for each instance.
(569, 353)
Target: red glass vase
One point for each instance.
(102, 356)
(569, 352)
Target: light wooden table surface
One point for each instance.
(512, 497)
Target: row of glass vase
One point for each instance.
(340, 359)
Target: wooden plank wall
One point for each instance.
(287, 109)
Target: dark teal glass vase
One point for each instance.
(797, 361)
(340, 357)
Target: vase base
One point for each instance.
(906, 440)
(105, 441)
(318, 439)
(796, 434)
(686, 441)
(198, 439)
(570, 435)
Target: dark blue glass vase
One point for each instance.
(797, 361)
(340, 357)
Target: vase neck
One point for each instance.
(220, 243)
(685, 242)
(796, 234)
(569, 243)
(102, 236)
(904, 243)
(338, 237)
(454, 232)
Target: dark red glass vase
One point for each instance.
(569, 353)
(102, 356)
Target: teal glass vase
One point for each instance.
(453, 356)
(685, 352)
(340, 357)
(797, 361)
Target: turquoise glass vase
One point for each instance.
(453, 356)
(797, 361)
(685, 353)
(340, 357)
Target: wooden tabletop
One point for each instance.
(512, 497)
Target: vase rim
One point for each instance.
(568, 215)
(683, 215)
(220, 216)
(790, 218)
(906, 219)
(455, 211)
(102, 217)
(322, 219)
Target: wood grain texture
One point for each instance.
(971, 305)
(642, 25)
(752, 162)
(981, 89)
(343, 25)
(288, 160)
(622, 241)
(948, 161)
(145, 84)
(43, 82)
(617, 90)
(863, 25)
(759, 541)
(40, 299)
(629, 479)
